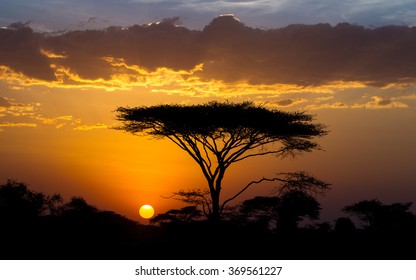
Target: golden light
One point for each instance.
(146, 211)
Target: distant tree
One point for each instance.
(344, 225)
(294, 206)
(261, 211)
(383, 217)
(54, 204)
(196, 198)
(283, 212)
(17, 201)
(184, 215)
(216, 135)
(78, 205)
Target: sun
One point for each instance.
(146, 211)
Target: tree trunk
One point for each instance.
(215, 197)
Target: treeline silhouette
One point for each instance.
(285, 226)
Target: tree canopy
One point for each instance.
(238, 125)
(218, 134)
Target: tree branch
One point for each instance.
(295, 180)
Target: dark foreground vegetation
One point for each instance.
(38, 226)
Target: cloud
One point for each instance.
(11, 107)
(58, 122)
(229, 51)
(312, 54)
(4, 102)
(373, 102)
(9, 124)
(378, 102)
(286, 102)
(19, 114)
(334, 105)
(91, 127)
(20, 50)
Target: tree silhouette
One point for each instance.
(261, 211)
(284, 212)
(287, 182)
(196, 198)
(344, 225)
(294, 206)
(216, 135)
(78, 205)
(18, 202)
(184, 215)
(379, 217)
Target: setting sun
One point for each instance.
(146, 211)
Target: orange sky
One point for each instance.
(58, 95)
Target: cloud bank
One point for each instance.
(308, 66)
(225, 50)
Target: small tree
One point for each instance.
(217, 135)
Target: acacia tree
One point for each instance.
(219, 134)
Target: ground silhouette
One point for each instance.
(38, 226)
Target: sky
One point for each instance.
(65, 66)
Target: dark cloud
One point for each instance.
(315, 54)
(172, 21)
(384, 102)
(21, 51)
(286, 102)
(148, 46)
(229, 50)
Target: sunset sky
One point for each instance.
(65, 66)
